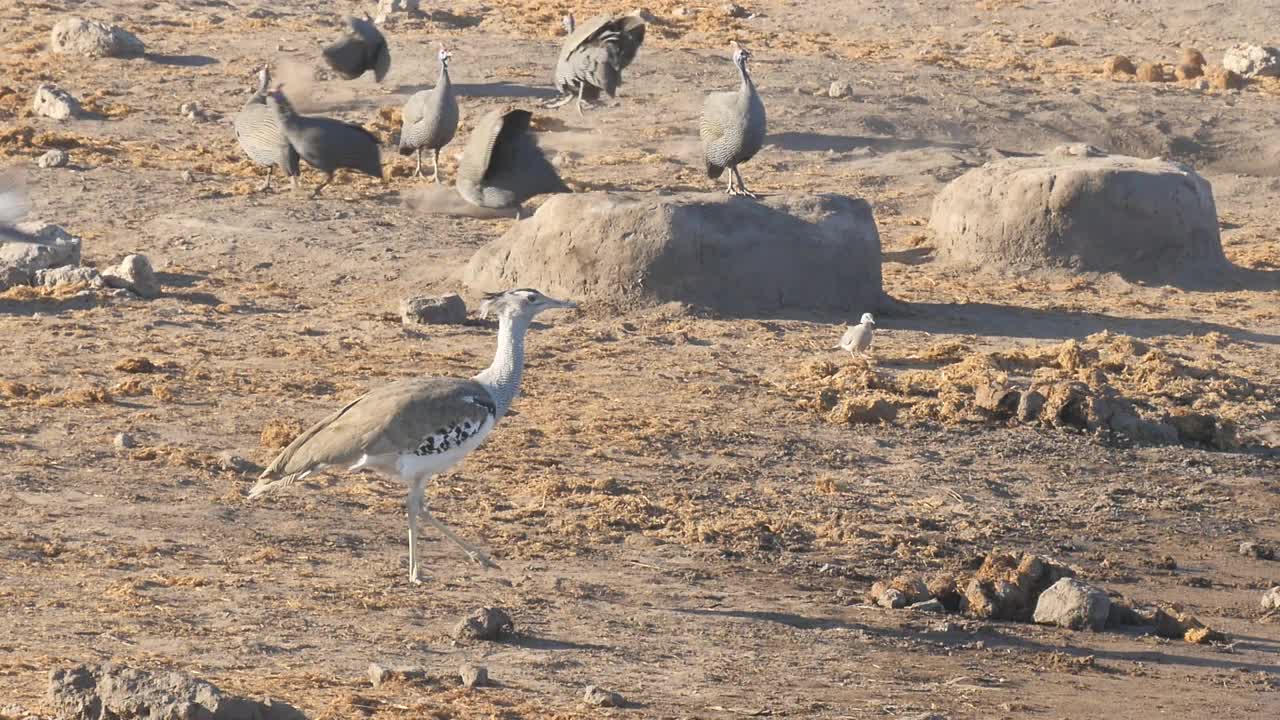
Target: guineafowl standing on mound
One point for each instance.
(502, 165)
(363, 48)
(593, 57)
(414, 429)
(733, 127)
(327, 144)
(261, 137)
(430, 119)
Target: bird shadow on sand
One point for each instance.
(500, 89)
(181, 60)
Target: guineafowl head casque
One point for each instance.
(443, 55)
(740, 54)
(523, 303)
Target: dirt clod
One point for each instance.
(599, 697)
(484, 624)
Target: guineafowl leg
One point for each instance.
(473, 554)
(328, 178)
(435, 164)
(267, 184)
(742, 187)
(559, 102)
(416, 490)
(417, 171)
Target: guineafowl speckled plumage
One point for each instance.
(260, 136)
(733, 127)
(430, 119)
(593, 56)
(502, 165)
(361, 49)
(327, 144)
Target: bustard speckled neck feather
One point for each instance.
(414, 429)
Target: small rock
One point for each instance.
(381, 674)
(53, 159)
(839, 89)
(134, 274)
(1252, 61)
(1186, 71)
(734, 10)
(484, 624)
(124, 441)
(91, 38)
(998, 401)
(388, 8)
(69, 275)
(599, 697)
(443, 310)
(1030, 403)
(943, 589)
(46, 246)
(114, 691)
(1073, 604)
(1192, 56)
(1118, 65)
(52, 101)
(912, 587)
(934, 606)
(1253, 550)
(1271, 599)
(231, 462)
(474, 676)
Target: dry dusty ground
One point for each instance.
(674, 517)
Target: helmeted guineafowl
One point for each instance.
(733, 127)
(430, 119)
(327, 144)
(502, 165)
(258, 131)
(593, 57)
(416, 428)
(361, 49)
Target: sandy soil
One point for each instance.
(678, 514)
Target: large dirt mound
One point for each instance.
(1078, 208)
(786, 252)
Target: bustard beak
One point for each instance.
(553, 303)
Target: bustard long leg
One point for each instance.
(267, 184)
(414, 504)
(417, 171)
(435, 164)
(473, 554)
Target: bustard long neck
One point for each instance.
(502, 377)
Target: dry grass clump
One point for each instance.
(1151, 72)
(1118, 65)
(1223, 79)
(136, 365)
(19, 391)
(75, 397)
(279, 432)
(1192, 56)
(1187, 71)
(1053, 40)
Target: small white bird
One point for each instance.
(857, 339)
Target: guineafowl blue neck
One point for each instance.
(747, 85)
(444, 74)
(502, 378)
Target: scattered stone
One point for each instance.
(382, 674)
(1187, 71)
(932, 605)
(943, 588)
(53, 159)
(69, 275)
(734, 10)
(1221, 78)
(52, 101)
(1005, 587)
(389, 8)
(484, 624)
(1118, 65)
(1251, 61)
(474, 676)
(1081, 209)
(1030, 403)
(1072, 604)
(1000, 402)
(1271, 599)
(1192, 56)
(1151, 72)
(701, 248)
(1053, 40)
(45, 246)
(599, 697)
(91, 38)
(1256, 551)
(839, 89)
(912, 587)
(443, 310)
(891, 599)
(88, 692)
(134, 274)
(124, 441)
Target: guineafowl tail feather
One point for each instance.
(714, 171)
(407, 150)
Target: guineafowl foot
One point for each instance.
(559, 102)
